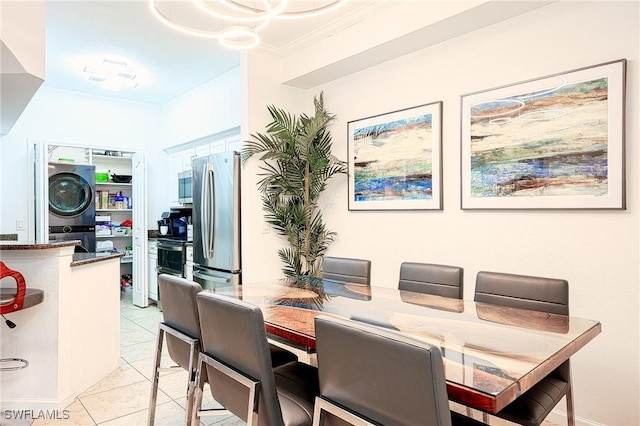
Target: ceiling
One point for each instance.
(166, 62)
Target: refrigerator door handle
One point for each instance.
(208, 210)
(211, 278)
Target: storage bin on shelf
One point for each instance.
(103, 226)
(102, 246)
(102, 177)
(120, 231)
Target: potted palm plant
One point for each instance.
(296, 164)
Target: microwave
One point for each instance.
(185, 190)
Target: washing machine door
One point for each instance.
(70, 195)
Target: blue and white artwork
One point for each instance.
(554, 142)
(395, 160)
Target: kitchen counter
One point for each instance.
(32, 245)
(72, 338)
(78, 258)
(85, 258)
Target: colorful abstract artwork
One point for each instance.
(553, 142)
(395, 161)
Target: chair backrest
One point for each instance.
(180, 311)
(441, 280)
(521, 291)
(380, 375)
(233, 333)
(356, 271)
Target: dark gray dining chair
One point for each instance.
(235, 358)
(372, 376)
(538, 294)
(182, 329)
(356, 271)
(181, 325)
(440, 280)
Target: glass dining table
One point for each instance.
(492, 354)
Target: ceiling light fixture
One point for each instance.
(112, 75)
(318, 8)
(235, 22)
(243, 14)
(239, 37)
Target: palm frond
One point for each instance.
(296, 165)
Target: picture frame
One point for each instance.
(556, 142)
(395, 160)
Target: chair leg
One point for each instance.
(571, 415)
(156, 376)
(197, 397)
(188, 412)
(317, 412)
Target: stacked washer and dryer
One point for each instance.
(72, 210)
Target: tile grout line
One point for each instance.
(125, 362)
(87, 411)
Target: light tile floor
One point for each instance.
(122, 398)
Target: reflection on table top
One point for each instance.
(492, 354)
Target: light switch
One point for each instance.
(20, 225)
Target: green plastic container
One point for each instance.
(102, 177)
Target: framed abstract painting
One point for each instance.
(395, 160)
(551, 143)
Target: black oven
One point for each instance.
(171, 256)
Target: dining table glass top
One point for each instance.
(491, 353)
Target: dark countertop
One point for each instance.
(32, 245)
(78, 258)
(86, 258)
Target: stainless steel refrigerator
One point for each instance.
(216, 220)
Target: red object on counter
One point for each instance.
(127, 223)
(16, 303)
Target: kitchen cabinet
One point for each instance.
(175, 167)
(201, 151)
(186, 158)
(233, 143)
(152, 274)
(188, 264)
(217, 147)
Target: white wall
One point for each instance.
(259, 250)
(65, 117)
(597, 251)
(209, 109)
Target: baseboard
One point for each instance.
(559, 417)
